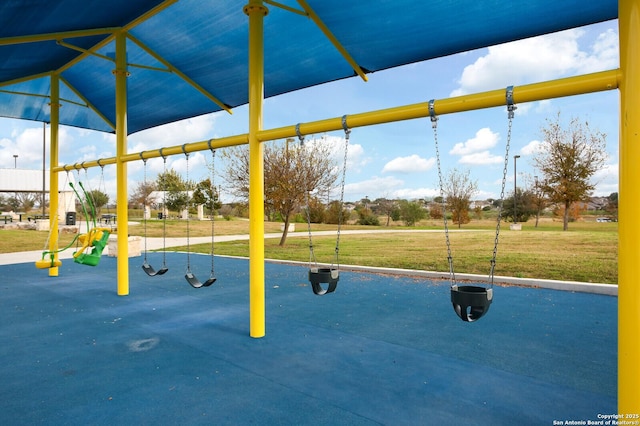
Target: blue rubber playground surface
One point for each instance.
(380, 350)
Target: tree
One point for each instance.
(575, 211)
(26, 200)
(140, 195)
(317, 210)
(411, 212)
(459, 189)
(206, 195)
(333, 214)
(525, 206)
(176, 188)
(99, 200)
(290, 171)
(387, 207)
(366, 216)
(435, 209)
(539, 200)
(569, 158)
(612, 205)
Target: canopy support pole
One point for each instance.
(121, 167)
(53, 176)
(629, 226)
(256, 11)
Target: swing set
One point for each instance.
(470, 302)
(189, 274)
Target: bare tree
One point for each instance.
(386, 207)
(458, 190)
(569, 159)
(289, 172)
(140, 195)
(539, 200)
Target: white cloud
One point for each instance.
(483, 140)
(606, 180)
(369, 187)
(184, 131)
(540, 58)
(415, 193)
(544, 106)
(532, 148)
(481, 158)
(604, 53)
(356, 158)
(412, 163)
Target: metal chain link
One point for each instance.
(144, 214)
(347, 132)
(186, 154)
(511, 108)
(213, 200)
(434, 125)
(164, 216)
(312, 256)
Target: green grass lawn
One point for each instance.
(587, 252)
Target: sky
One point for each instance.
(395, 160)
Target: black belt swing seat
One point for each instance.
(146, 267)
(319, 276)
(324, 280)
(189, 275)
(470, 302)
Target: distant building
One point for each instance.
(22, 180)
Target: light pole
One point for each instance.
(515, 186)
(537, 200)
(15, 166)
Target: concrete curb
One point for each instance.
(575, 286)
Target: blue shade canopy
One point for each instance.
(190, 57)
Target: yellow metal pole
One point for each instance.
(570, 86)
(53, 176)
(121, 167)
(256, 12)
(242, 139)
(629, 226)
(588, 83)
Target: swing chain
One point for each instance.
(213, 199)
(144, 213)
(434, 126)
(186, 154)
(312, 256)
(511, 107)
(347, 133)
(164, 216)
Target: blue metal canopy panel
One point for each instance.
(207, 41)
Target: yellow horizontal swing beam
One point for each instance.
(570, 86)
(155, 153)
